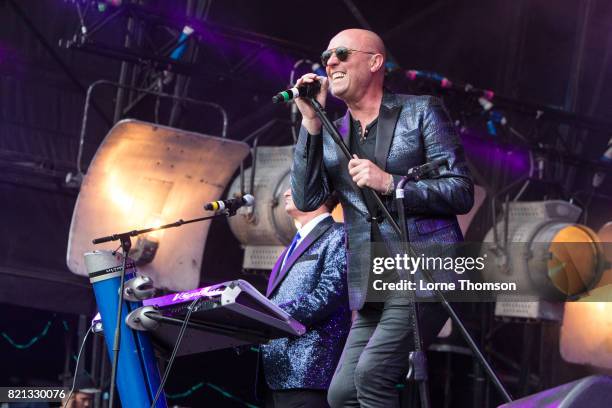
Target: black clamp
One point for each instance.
(431, 169)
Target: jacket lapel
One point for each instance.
(387, 120)
(275, 273)
(297, 252)
(344, 128)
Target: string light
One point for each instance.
(36, 338)
(220, 390)
(186, 393)
(32, 341)
(180, 395)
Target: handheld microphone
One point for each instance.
(305, 90)
(599, 177)
(231, 204)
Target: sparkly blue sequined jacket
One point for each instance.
(412, 130)
(312, 288)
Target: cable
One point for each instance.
(179, 339)
(126, 245)
(76, 368)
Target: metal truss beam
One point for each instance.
(65, 68)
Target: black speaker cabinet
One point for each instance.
(589, 392)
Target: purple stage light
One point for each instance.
(486, 152)
(275, 64)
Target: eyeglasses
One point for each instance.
(342, 53)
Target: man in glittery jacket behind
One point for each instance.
(308, 282)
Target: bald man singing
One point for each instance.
(387, 135)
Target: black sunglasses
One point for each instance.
(342, 53)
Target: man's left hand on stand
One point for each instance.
(367, 174)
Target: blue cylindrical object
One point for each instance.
(182, 43)
(491, 127)
(137, 375)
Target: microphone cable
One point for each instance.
(179, 339)
(76, 368)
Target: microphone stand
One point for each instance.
(329, 126)
(126, 244)
(417, 358)
(418, 362)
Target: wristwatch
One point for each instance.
(390, 186)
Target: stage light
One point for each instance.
(144, 175)
(265, 229)
(574, 268)
(586, 333)
(605, 236)
(338, 214)
(546, 253)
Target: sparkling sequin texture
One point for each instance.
(314, 292)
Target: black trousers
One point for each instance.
(375, 356)
(300, 398)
